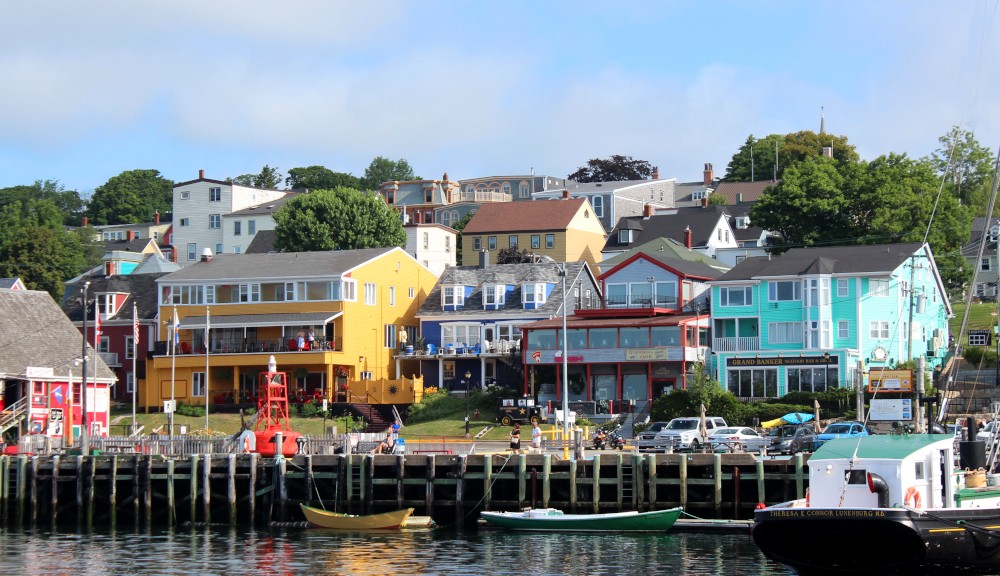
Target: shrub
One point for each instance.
(980, 356)
(308, 410)
(436, 406)
(190, 410)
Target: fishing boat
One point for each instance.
(552, 520)
(393, 520)
(886, 504)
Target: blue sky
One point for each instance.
(91, 89)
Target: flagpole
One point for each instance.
(135, 357)
(97, 354)
(208, 314)
(173, 367)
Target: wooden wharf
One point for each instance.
(145, 490)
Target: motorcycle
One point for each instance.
(615, 441)
(600, 439)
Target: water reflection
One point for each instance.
(228, 552)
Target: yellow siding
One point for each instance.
(359, 332)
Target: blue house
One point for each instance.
(471, 320)
(810, 319)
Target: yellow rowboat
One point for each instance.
(384, 521)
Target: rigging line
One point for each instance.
(943, 410)
(937, 199)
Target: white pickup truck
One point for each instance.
(681, 434)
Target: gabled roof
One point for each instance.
(510, 275)
(264, 208)
(538, 215)
(865, 259)
(665, 249)
(748, 191)
(141, 289)
(701, 221)
(979, 226)
(686, 268)
(35, 332)
(135, 245)
(277, 265)
(12, 284)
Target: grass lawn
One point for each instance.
(982, 316)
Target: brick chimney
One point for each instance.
(565, 194)
(709, 174)
(445, 177)
(201, 174)
(687, 237)
(84, 221)
(130, 235)
(647, 210)
(704, 201)
(156, 217)
(656, 172)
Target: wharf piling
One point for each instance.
(143, 490)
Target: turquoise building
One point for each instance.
(815, 319)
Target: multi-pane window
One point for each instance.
(598, 203)
(812, 379)
(215, 221)
(783, 291)
(512, 241)
(454, 296)
(215, 194)
(129, 347)
(493, 295)
(550, 240)
(218, 248)
(427, 240)
(753, 383)
(237, 228)
(817, 292)
(251, 227)
(878, 329)
(843, 329)
(533, 293)
(390, 336)
(784, 333)
(842, 288)
(370, 293)
(185, 221)
(523, 190)
(536, 242)
(477, 243)
(198, 384)
(505, 188)
(350, 290)
(249, 292)
(129, 383)
(192, 251)
(878, 287)
(736, 296)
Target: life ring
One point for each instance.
(911, 492)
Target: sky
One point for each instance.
(477, 88)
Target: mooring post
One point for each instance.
(33, 492)
(651, 479)
(135, 492)
(171, 497)
(400, 472)
(254, 458)
(487, 480)
(147, 490)
(206, 489)
(282, 488)
(79, 489)
(736, 492)
(231, 487)
(55, 490)
(310, 482)
(460, 491)
(760, 480)
(639, 482)
(596, 488)
(717, 474)
(682, 472)
(546, 478)
(522, 468)
(799, 476)
(113, 505)
(620, 476)
(572, 484)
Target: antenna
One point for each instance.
(774, 178)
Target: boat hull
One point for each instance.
(656, 521)
(827, 541)
(393, 520)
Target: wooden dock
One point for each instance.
(248, 490)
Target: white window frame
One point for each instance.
(349, 290)
(477, 243)
(129, 383)
(468, 333)
(249, 292)
(192, 250)
(725, 291)
(878, 287)
(843, 287)
(251, 227)
(878, 329)
(215, 194)
(498, 296)
(392, 295)
(198, 384)
(214, 221)
(784, 333)
(371, 294)
(843, 329)
(411, 291)
(453, 295)
(523, 190)
(597, 202)
(533, 293)
(185, 195)
(624, 236)
(185, 222)
(774, 292)
(129, 347)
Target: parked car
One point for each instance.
(685, 434)
(647, 438)
(736, 439)
(791, 438)
(841, 430)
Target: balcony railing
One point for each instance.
(736, 344)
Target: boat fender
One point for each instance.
(911, 493)
(878, 486)
(807, 497)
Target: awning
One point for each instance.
(260, 320)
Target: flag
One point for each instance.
(135, 325)
(97, 325)
(177, 326)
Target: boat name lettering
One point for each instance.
(828, 513)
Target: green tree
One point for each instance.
(755, 160)
(458, 227)
(269, 178)
(132, 196)
(968, 168)
(319, 177)
(67, 201)
(617, 168)
(383, 169)
(337, 219)
(514, 256)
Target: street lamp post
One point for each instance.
(468, 390)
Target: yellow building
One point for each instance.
(332, 320)
(567, 230)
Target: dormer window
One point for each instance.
(453, 296)
(624, 236)
(742, 222)
(493, 295)
(994, 233)
(698, 195)
(533, 295)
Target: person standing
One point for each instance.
(536, 437)
(515, 439)
(312, 339)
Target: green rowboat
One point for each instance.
(552, 520)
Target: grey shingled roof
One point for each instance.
(514, 274)
(140, 287)
(865, 259)
(276, 265)
(701, 220)
(262, 243)
(667, 249)
(35, 332)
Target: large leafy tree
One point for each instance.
(383, 169)
(337, 219)
(755, 160)
(132, 196)
(614, 169)
(268, 177)
(36, 247)
(967, 167)
(67, 201)
(319, 177)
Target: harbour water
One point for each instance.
(287, 551)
